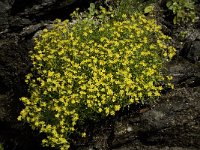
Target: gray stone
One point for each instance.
(194, 52)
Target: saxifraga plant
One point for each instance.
(96, 64)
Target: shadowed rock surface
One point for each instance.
(172, 123)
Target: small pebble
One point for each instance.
(129, 129)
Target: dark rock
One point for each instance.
(191, 47)
(17, 23)
(5, 6)
(194, 52)
(191, 51)
(185, 74)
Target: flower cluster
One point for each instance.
(90, 67)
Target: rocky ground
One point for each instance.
(172, 123)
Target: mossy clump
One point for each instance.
(93, 65)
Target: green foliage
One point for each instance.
(131, 6)
(127, 7)
(95, 65)
(148, 9)
(184, 10)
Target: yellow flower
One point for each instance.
(73, 101)
(50, 73)
(110, 92)
(100, 110)
(107, 111)
(85, 33)
(149, 93)
(101, 29)
(112, 113)
(90, 31)
(157, 93)
(83, 134)
(117, 107)
(165, 54)
(145, 39)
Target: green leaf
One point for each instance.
(180, 14)
(169, 3)
(175, 20)
(148, 9)
(92, 6)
